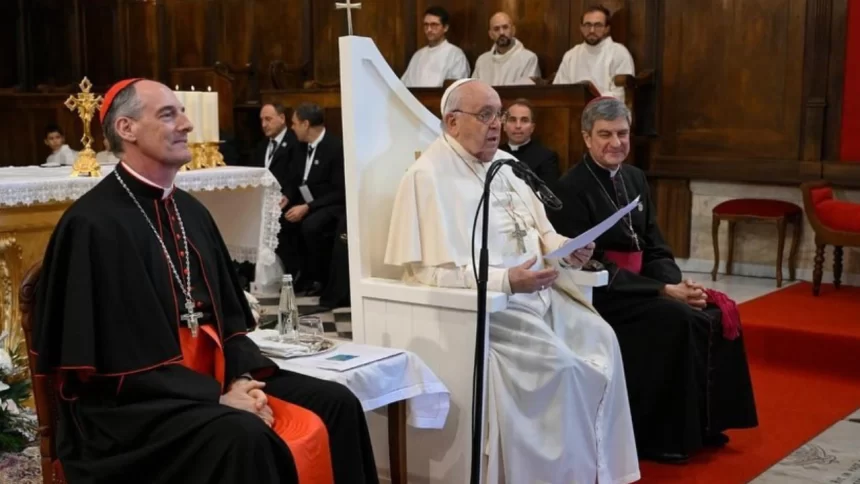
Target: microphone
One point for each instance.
(542, 191)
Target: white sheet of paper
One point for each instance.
(591, 234)
(347, 356)
(306, 193)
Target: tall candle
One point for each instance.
(193, 109)
(209, 100)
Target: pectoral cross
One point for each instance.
(191, 318)
(520, 235)
(349, 7)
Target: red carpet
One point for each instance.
(804, 354)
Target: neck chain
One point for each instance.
(519, 233)
(190, 317)
(628, 219)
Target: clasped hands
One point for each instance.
(248, 395)
(524, 280)
(688, 292)
(295, 214)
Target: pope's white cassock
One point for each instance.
(596, 63)
(516, 66)
(432, 66)
(557, 409)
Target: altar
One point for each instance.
(243, 201)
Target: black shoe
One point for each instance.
(665, 457)
(314, 290)
(716, 440)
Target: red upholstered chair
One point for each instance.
(47, 410)
(758, 210)
(835, 223)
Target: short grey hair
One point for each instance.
(604, 109)
(126, 104)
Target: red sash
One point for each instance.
(302, 430)
(631, 261)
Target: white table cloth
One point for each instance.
(380, 383)
(243, 201)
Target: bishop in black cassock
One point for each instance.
(687, 382)
(142, 379)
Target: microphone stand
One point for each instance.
(547, 198)
(481, 332)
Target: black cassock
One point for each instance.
(686, 382)
(108, 316)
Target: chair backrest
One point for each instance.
(384, 126)
(47, 410)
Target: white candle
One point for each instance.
(193, 108)
(209, 100)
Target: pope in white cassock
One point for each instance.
(508, 62)
(439, 60)
(598, 59)
(557, 409)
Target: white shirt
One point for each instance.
(515, 67)
(596, 63)
(312, 151)
(278, 141)
(432, 66)
(63, 156)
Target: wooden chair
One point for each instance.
(44, 393)
(834, 222)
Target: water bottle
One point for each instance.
(288, 311)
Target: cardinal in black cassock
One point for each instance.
(684, 357)
(141, 319)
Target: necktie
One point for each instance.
(272, 147)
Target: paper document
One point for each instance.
(346, 357)
(306, 193)
(591, 234)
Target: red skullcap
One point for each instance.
(111, 94)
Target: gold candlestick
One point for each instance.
(214, 158)
(86, 104)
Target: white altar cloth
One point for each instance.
(383, 382)
(243, 201)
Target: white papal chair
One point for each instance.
(384, 128)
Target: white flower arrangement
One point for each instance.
(17, 424)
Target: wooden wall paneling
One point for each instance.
(233, 32)
(187, 27)
(283, 33)
(673, 200)
(11, 44)
(101, 45)
(542, 27)
(144, 38)
(53, 43)
(735, 67)
(835, 79)
(815, 74)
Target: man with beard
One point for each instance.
(599, 59)
(508, 62)
(684, 356)
(519, 128)
(557, 407)
(439, 60)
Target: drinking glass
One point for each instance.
(310, 329)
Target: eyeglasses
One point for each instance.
(486, 117)
(589, 26)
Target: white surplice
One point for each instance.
(432, 66)
(516, 66)
(596, 63)
(557, 407)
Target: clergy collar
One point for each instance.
(515, 147)
(601, 169)
(458, 148)
(140, 185)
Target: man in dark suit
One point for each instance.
(315, 200)
(519, 127)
